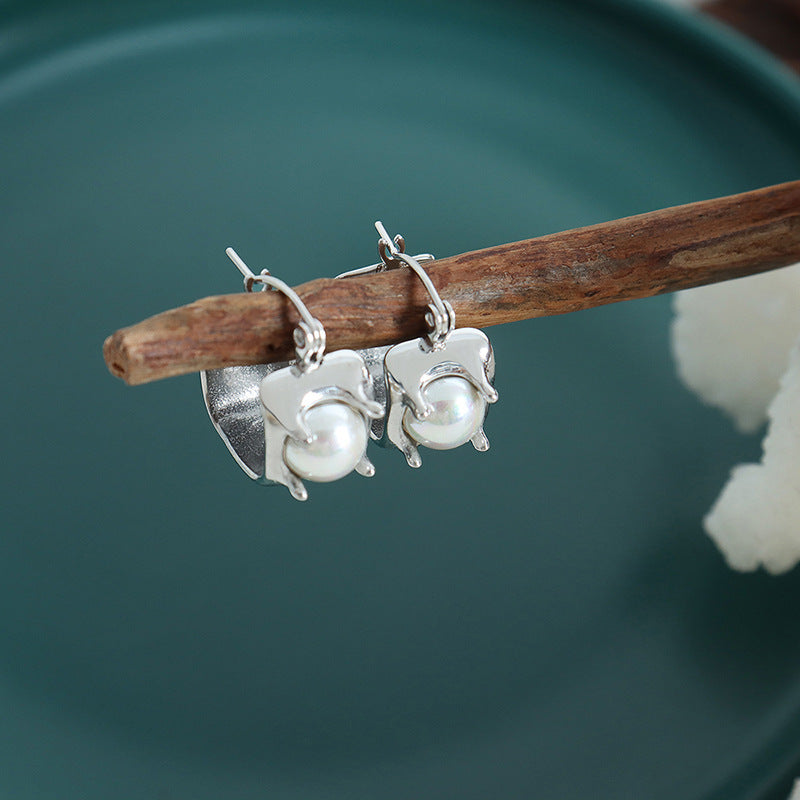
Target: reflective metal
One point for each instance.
(255, 409)
(231, 396)
(309, 335)
(410, 366)
(287, 395)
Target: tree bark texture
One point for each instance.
(649, 254)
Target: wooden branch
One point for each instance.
(675, 248)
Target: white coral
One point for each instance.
(756, 519)
(731, 341)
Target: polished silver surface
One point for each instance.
(411, 366)
(287, 395)
(257, 409)
(440, 317)
(381, 266)
(231, 396)
(309, 335)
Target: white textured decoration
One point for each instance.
(737, 345)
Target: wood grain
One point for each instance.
(639, 256)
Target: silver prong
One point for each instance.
(365, 467)
(479, 441)
(296, 488)
(412, 456)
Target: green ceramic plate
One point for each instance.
(544, 620)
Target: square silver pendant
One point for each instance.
(316, 422)
(437, 396)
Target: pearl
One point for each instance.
(458, 412)
(338, 442)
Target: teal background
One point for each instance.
(543, 620)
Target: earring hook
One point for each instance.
(386, 262)
(440, 317)
(309, 335)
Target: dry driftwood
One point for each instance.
(649, 254)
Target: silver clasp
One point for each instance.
(440, 317)
(309, 335)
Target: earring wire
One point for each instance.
(440, 317)
(309, 335)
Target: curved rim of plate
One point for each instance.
(762, 80)
(762, 76)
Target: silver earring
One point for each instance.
(438, 386)
(314, 413)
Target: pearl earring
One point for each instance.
(438, 386)
(315, 412)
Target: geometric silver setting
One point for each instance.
(287, 395)
(233, 402)
(259, 410)
(411, 366)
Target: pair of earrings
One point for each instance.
(312, 419)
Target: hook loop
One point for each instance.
(309, 335)
(440, 317)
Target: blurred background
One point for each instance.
(774, 24)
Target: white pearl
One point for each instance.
(339, 440)
(458, 412)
